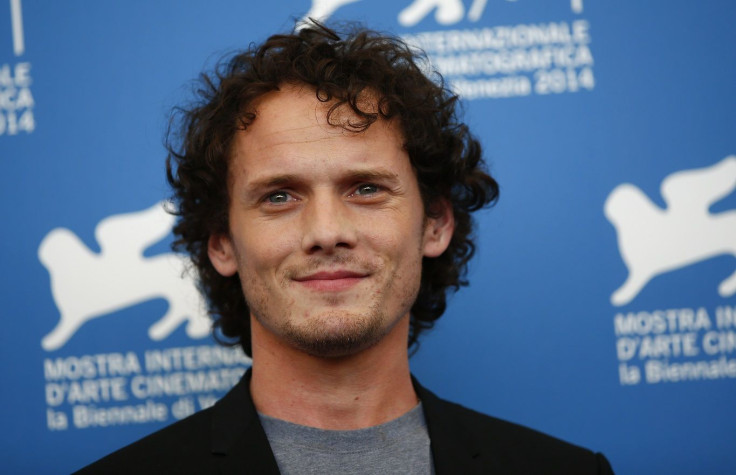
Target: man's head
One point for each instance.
(359, 91)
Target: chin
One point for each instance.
(335, 336)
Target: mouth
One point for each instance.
(331, 281)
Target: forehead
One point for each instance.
(293, 123)
(294, 106)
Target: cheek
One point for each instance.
(399, 246)
(398, 229)
(264, 249)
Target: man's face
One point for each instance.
(327, 226)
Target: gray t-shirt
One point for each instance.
(399, 446)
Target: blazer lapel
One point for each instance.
(241, 445)
(454, 450)
(238, 440)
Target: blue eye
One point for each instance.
(278, 197)
(367, 189)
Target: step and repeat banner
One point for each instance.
(602, 304)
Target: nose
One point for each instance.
(328, 225)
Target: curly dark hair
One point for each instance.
(341, 69)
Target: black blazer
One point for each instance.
(227, 438)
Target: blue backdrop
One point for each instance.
(601, 308)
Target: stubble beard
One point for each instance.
(334, 333)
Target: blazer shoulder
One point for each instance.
(224, 438)
(507, 447)
(181, 447)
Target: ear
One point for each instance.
(438, 229)
(222, 254)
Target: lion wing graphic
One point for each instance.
(653, 240)
(87, 285)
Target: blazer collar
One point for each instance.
(239, 440)
(454, 449)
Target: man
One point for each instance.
(324, 187)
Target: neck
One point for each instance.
(346, 393)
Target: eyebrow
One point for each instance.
(272, 181)
(372, 175)
(380, 175)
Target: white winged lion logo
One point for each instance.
(653, 240)
(446, 12)
(86, 285)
